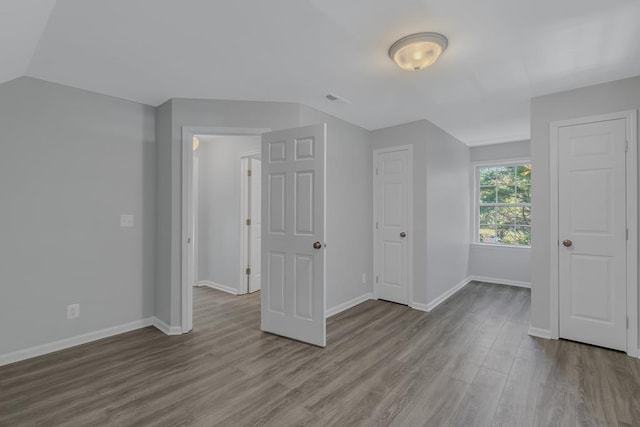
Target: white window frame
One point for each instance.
(476, 199)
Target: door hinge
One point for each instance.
(627, 322)
(248, 222)
(248, 172)
(376, 171)
(627, 234)
(626, 146)
(376, 279)
(247, 271)
(376, 225)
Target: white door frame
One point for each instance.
(632, 221)
(187, 264)
(196, 201)
(377, 152)
(244, 205)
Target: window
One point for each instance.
(503, 207)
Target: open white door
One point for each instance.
(293, 233)
(255, 230)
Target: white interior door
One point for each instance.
(592, 231)
(255, 231)
(392, 221)
(293, 233)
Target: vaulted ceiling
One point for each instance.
(501, 53)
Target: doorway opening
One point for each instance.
(293, 231)
(250, 222)
(219, 199)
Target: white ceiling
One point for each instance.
(501, 53)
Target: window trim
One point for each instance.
(475, 204)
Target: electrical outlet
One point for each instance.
(126, 221)
(73, 311)
(364, 278)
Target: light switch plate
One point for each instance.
(126, 220)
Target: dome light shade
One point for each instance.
(418, 51)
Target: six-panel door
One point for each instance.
(293, 226)
(392, 221)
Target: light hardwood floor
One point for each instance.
(470, 362)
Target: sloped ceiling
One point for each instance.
(501, 53)
(21, 25)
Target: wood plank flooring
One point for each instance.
(470, 362)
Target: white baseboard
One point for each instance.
(40, 350)
(540, 333)
(419, 306)
(166, 329)
(347, 305)
(446, 295)
(218, 286)
(501, 281)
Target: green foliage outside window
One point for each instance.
(505, 205)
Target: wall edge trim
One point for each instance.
(218, 286)
(539, 332)
(164, 328)
(348, 304)
(500, 281)
(447, 294)
(65, 343)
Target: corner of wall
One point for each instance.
(162, 295)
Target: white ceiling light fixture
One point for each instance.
(196, 143)
(418, 51)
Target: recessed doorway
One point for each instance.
(250, 222)
(216, 210)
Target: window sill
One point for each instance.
(500, 247)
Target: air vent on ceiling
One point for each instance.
(333, 98)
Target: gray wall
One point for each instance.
(71, 162)
(601, 99)
(414, 134)
(504, 151)
(163, 288)
(349, 207)
(440, 205)
(500, 263)
(195, 112)
(219, 207)
(347, 151)
(448, 211)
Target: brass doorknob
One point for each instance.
(567, 243)
(317, 245)
(403, 234)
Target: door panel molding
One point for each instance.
(631, 164)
